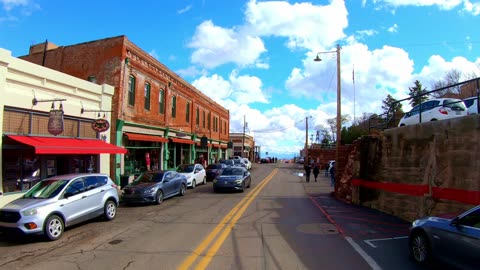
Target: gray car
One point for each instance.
(154, 187)
(455, 241)
(59, 202)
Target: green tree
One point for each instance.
(390, 105)
(417, 94)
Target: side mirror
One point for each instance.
(454, 222)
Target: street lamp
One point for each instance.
(339, 104)
(306, 160)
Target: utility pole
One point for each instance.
(306, 142)
(243, 137)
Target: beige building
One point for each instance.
(51, 123)
(243, 145)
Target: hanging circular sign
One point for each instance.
(100, 125)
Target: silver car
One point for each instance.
(452, 240)
(59, 202)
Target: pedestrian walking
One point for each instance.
(316, 171)
(327, 169)
(308, 169)
(332, 175)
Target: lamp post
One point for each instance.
(306, 160)
(339, 104)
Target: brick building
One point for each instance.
(159, 117)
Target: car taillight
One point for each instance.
(443, 111)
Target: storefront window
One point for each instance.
(21, 170)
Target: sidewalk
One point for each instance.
(355, 221)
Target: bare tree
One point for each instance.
(332, 124)
(451, 77)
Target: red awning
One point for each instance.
(145, 137)
(52, 145)
(177, 140)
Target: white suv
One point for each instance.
(434, 109)
(59, 202)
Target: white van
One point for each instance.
(472, 105)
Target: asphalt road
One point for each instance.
(281, 222)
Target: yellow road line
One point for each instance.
(206, 242)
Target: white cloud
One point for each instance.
(438, 67)
(11, 4)
(393, 28)
(303, 24)
(216, 46)
(466, 5)
(241, 89)
(185, 9)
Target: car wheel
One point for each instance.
(204, 180)
(243, 187)
(194, 183)
(420, 247)
(215, 190)
(159, 197)
(54, 227)
(110, 210)
(183, 190)
(249, 183)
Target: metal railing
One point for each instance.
(389, 120)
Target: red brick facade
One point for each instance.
(114, 61)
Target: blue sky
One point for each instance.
(256, 57)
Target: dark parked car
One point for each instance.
(59, 202)
(455, 241)
(154, 187)
(232, 178)
(213, 170)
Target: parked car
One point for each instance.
(154, 187)
(195, 174)
(213, 170)
(228, 162)
(248, 164)
(434, 109)
(239, 162)
(472, 105)
(455, 241)
(59, 202)
(29, 181)
(232, 178)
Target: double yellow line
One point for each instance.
(229, 221)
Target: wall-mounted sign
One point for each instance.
(100, 125)
(180, 134)
(55, 122)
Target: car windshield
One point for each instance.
(149, 178)
(46, 189)
(232, 171)
(185, 168)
